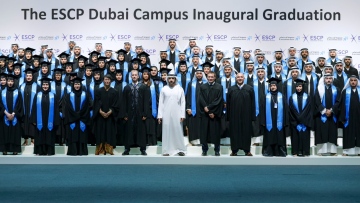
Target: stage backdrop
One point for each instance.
(268, 25)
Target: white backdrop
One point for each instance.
(342, 33)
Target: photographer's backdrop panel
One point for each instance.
(268, 25)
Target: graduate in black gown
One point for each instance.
(192, 107)
(120, 84)
(28, 91)
(349, 116)
(106, 109)
(80, 67)
(211, 105)
(240, 106)
(2, 63)
(45, 117)
(349, 68)
(36, 66)
(77, 118)
(136, 98)
(300, 120)
(3, 78)
(274, 139)
(11, 112)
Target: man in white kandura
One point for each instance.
(172, 114)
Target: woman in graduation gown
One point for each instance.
(300, 113)
(120, 84)
(44, 117)
(77, 117)
(11, 112)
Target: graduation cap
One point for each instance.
(119, 71)
(207, 64)
(145, 69)
(102, 58)
(3, 58)
(37, 57)
(94, 53)
(299, 81)
(11, 59)
(165, 70)
(89, 66)
(29, 49)
(135, 60)
(69, 63)
(45, 80)
(3, 75)
(17, 64)
(11, 76)
(30, 70)
(98, 70)
(58, 70)
(77, 80)
(144, 54)
(273, 80)
(165, 61)
(182, 63)
(63, 55)
(45, 63)
(81, 57)
(73, 74)
(112, 62)
(121, 52)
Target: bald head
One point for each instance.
(240, 78)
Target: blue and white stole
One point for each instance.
(343, 75)
(280, 106)
(193, 95)
(39, 122)
(328, 61)
(323, 102)
(176, 55)
(188, 79)
(15, 98)
(347, 103)
(33, 92)
(289, 84)
(125, 70)
(300, 127)
(53, 90)
(223, 84)
(246, 75)
(92, 94)
(300, 62)
(154, 110)
(72, 100)
(256, 90)
(314, 77)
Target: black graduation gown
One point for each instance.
(275, 140)
(29, 129)
(300, 140)
(134, 109)
(319, 71)
(76, 138)
(105, 128)
(194, 122)
(36, 74)
(120, 123)
(326, 132)
(240, 114)
(158, 127)
(60, 132)
(260, 119)
(341, 82)
(150, 122)
(44, 138)
(350, 132)
(211, 96)
(10, 138)
(224, 122)
(237, 65)
(351, 71)
(288, 130)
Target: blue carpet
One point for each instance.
(169, 183)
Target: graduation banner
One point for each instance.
(267, 25)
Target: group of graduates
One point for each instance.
(111, 98)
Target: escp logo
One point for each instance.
(5, 51)
(27, 37)
(342, 52)
(268, 37)
(316, 38)
(219, 37)
(167, 37)
(56, 51)
(119, 37)
(150, 51)
(75, 37)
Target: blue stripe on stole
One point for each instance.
(39, 111)
(188, 79)
(71, 59)
(300, 127)
(92, 93)
(334, 94)
(193, 97)
(15, 97)
(223, 84)
(280, 107)
(343, 75)
(33, 92)
(23, 67)
(347, 103)
(154, 111)
(288, 89)
(72, 99)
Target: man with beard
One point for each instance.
(14, 51)
(260, 60)
(58, 88)
(183, 77)
(106, 109)
(75, 57)
(246, 58)
(320, 62)
(249, 75)
(129, 54)
(333, 59)
(171, 115)
(291, 63)
(70, 50)
(43, 49)
(136, 97)
(211, 107)
(292, 53)
(236, 59)
(173, 52)
(274, 138)
(340, 75)
(99, 48)
(240, 106)
(218, 62)
(210, 55)
(51, 59)
(349, 116)
(163, 55)
(326, 110)
(21, 55)
(289, 84)
(300, 120)
(108, 55)
(329, 69)
(311, 79)
(349, 68)
(279, 74)
(278, 59)
(28, 91)
(188, 51)
(194, 65)
(193, 107)
(11, 112)
(304, 53)
(196, 51)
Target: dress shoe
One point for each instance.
(181, 154)
(166, 155)
(126, 152)
(217, 153)
(233, 154)
(248, 154)
(204, 153)
(143, 152)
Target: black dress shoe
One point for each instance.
(217, 153)
(143, 152)
(233, 154)
(204, 153)
(126, 152)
